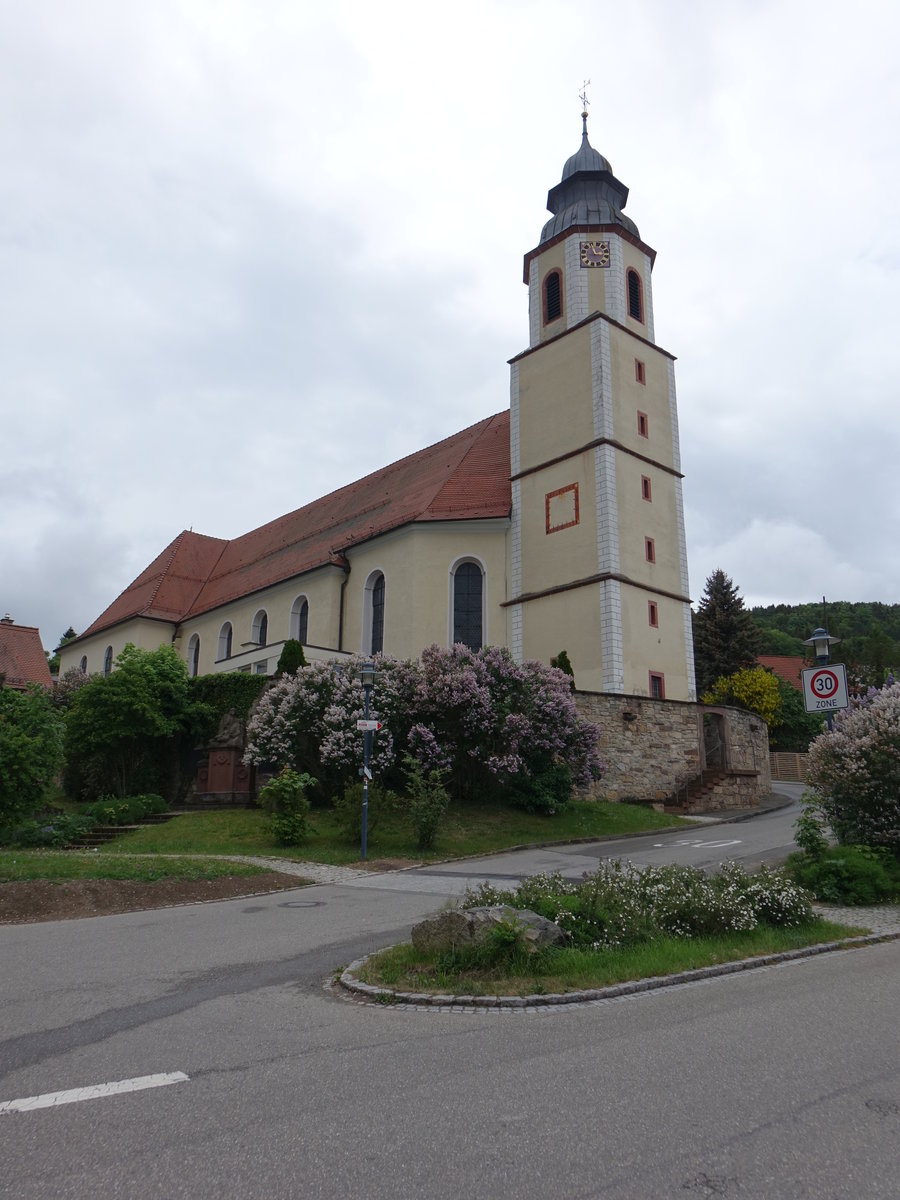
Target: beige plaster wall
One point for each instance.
(416, 562)
(570, 622)
(146, 635)
(555, 401)
(559, 557)
(647, 649)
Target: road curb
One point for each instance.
(375, 994)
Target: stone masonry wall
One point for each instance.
(651, 747)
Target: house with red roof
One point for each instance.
(22, 657)
(554, 524)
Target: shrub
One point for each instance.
(284, 799)
(619, 905)
(854, 771)
(348, 809)
(30, 748)
(848, 875)
(753, 688)
(291, 658)
(492, 723)
(52, 831)
(428, 800)
(809, 829)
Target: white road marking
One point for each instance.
(96, 1092)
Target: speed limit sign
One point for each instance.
(825, 688)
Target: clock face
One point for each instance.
(595, 254)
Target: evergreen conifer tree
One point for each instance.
(725, 635)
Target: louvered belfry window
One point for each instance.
(552, 297)
(635, 299)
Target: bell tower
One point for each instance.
(598, 555)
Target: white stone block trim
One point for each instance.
(516, 539)
(534, 303)
(673, 417)
(607, 509)
(576, 283)
(611, 636)
(682, 542)
(515, 446)
(615, 281)
(648, 300)
(516, 622)
(689, 654)
(601, 380)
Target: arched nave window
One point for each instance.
(300, 619)
(193, 655)
(225, 635)
(467, 597)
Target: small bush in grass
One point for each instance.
(428, 800)
(284, 799)
(848, 874)
(348, 809)
(52, 831)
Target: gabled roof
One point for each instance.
(464, 477)
(22, 658)
(786, 666)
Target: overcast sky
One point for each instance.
(251, 251)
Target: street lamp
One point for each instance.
(367, 678)
(822, 641)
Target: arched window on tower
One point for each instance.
(635, 295)
(552, 296)
(259, 631)
(193, 655)
(468, 605)
(224, 649)
(84, 664)
(107, 661)
(300, 619)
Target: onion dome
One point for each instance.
(587, 194)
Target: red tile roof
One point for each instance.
(787, 666)
(464, 477)
(22, 658)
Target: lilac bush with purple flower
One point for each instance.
(493, 725)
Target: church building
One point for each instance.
(555, 524)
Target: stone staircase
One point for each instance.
(697, 794)
(102, 834)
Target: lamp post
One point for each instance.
(822, 641)
(367, 678)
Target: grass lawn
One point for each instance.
(467, 829)
(20, 865)
(569, 970)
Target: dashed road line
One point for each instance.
(96, 1092)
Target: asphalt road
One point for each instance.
(776, 1083)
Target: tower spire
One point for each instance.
(582, 96)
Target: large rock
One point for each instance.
(455, 928)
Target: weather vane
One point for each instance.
(582, 96)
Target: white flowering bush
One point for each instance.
(484, 720)
(622, 905)
(854, 772)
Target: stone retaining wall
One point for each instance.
(652, 747)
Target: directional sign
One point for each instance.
(825, 688)
(368, 726)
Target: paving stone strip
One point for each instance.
(317, 872)
(883, 920)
